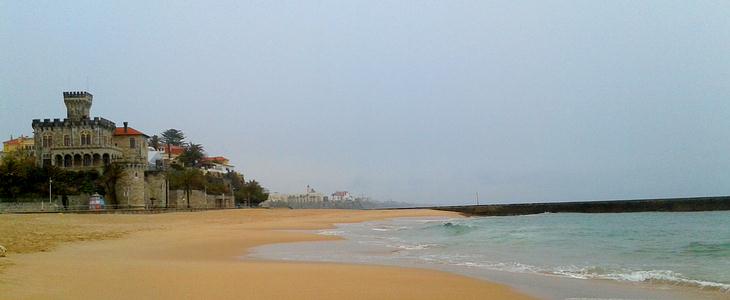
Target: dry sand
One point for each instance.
(197, 256)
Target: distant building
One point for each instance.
(341, 196)
(155, 158)
(314, 199)
(22, 144)
(309, 199)
(216, 165)
(165, 155)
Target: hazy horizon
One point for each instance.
(422, 102)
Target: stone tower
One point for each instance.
(130, 186)
(78, 105)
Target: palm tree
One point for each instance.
(155, 142)
(192, 154)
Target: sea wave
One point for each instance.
(454, 228)
(664, 277)
(590, 272)
(390, 228)
(415, 247)
(331, 232)
(649, 276)
(707, 249)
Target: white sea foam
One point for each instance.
(331, 232)
(390, 228)
(416, 247)
(656, 276)
(664, 276)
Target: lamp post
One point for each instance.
(50, 193)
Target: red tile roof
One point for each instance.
(17, 141)
(216, 159)
(129, 131)
(174, 150)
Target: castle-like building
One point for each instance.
(79, 142)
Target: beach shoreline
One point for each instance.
(195, 255)
(539, 285)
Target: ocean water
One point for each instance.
(686, 249)
(691, 249)
(549, 256)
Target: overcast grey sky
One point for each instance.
(419, 101)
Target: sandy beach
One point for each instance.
(197, 255)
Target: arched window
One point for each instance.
(85, 138)
(67, 140)
(47, 141)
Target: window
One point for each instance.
(132, 143)
(85, 138)
(66, 140)
(47, 141)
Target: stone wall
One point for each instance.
(155, 190)
(76, 202)
(198, 199)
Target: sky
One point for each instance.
(427, 102)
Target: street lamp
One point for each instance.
(50, 194)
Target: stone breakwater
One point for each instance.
(613, 206)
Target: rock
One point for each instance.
(3, 251)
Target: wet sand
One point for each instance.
(541, 286)
(197, 256)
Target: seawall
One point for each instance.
(613, 206)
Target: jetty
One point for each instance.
(610, 206)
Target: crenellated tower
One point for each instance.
(78, 105)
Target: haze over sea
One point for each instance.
(668, 249)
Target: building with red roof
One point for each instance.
(341, 196)
(22, 144)
(216, 164)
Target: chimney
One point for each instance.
(126, 124)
